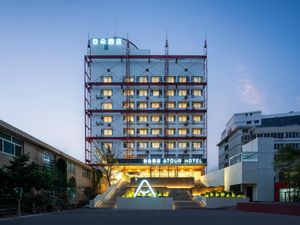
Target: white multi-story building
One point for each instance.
(146, 106)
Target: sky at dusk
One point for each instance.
(253, 58)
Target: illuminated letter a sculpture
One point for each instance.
(144, 192)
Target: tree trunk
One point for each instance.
(19, 201)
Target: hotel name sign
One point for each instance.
(159, 161)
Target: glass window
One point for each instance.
(197, 105)
(127, 79)
(155, 105)
(142, 92)
(170, 79)
(106, 79)
(170, 105)
(183, 144)
(128, 118)
(70, 167)
(156, 93)
(170, 92)
(107, 119)
(106, 92)
(142, 131)
(85, 173)
(129, 131)
(170, 131)
(1, 145)
(197, 118)
(142, 145)
(156, 131)
(183, 79)
(170, 145)
(128, 92)
(128, 105)
(156, 145)
(142, 105)
(143, 118)
(197, 145)
(182, 92)
(182, 131)
(48, 159)
(107, 105)
(156, 118)
(143, 79)
(197, 79)
(5, 136)
(171, 118)
(183, 118)
(196, 131)
(107, 145)
(182, 105)
(107, 132)
(8, 148)
(130, 144)
(196, 92)
(155, 79)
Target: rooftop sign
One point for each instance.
(107, 41)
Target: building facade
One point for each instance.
(14, 142)
(151, 108)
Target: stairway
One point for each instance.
(184, 200)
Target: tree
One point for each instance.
(108, 157)
(287, 161)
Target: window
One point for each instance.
(155, 79)
(129, 131)
(196, 92)
(248, 122)
(170, 105)
(197, 118)
(106, 79)
(107, 145)
(156, 93)
(128, 105)
(1, 145)
(155, 131)
(183, 131)
(171, 118)
(170, 145)
(197, 79)
(142, 105)
(142, 79)
(10, 145)
(127, 79)
(183, 145)
(156, 118)
(128, 118)
(142, 131)
(170, 92)
(182, 92)
(48, 159)
(143, 118)
(155, 105)
(183, 79)
(107, 132)
(130, 145)
(70, 167)
(196, 131)
(107, 92)
(107, 119)
(170, 79)
(156, 145)
(142, 145)
(142, 93)
(128, 92)
(107, 105)
(170, 131)
(182, 105)
(8, 148)
(197, 145)
(85, 173)
(197, 105)
(183, 118)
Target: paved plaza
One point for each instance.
(143, 217)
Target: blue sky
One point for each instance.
(253, 48)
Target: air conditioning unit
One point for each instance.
(147, 124)
(108, 97)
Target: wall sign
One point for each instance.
(158, 161)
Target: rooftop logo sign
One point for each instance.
(107, 41)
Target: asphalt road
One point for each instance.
(144, 217)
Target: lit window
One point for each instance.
(107, 145)
(156, 93)
(170, 105)
(170, 79)
(128, 118)
(155, 118)
(171, 118)
(142, 105)
(155, 131)
(197, 145)
(155, 79)
(156, 145)
(143, 79)
(170, 131)
(182, 105)
(183, 145)
(128, 105)
(129, 144)
(171, 92)
(197, 118)
(127, 79)
(183, 79)
(183, 118)
(196, 131)
(129, 131)
(107, 105)
(142, 131)
(196, 92)
(197, 79)
(107, 92)
(107, 79)
(107, 132)
(142, 92)
(197, 105)
(170, 145)
(107, 119)
(155, 105)
(182, 93)
(128, 92)
(142, 145)
(143, 118)
(182, 131)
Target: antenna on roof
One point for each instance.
(205, 45)
(88, 44)
(167, 44)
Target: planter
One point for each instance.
(218, 202)
(145, 203)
